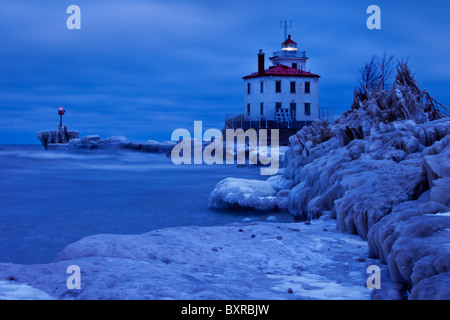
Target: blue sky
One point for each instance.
(142, 68)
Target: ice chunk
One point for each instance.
(436, 287)
(272, 219)
(11, 290)
(438, 165)
(250, 193)
(234, 192)
(118, 142)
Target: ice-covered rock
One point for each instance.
(413, 239)
(436, 287)
(304, 140)
(90, 142)
(415, 247)
(380, 169)
(244, 193)
(62, 135)
(152, 147)
(437, 165)
(381, 176)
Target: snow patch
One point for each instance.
(247, 261)
(20, 291)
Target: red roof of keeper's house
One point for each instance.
(282, 70)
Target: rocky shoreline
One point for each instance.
(382, 170)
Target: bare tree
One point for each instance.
(375, 82)
(375, 75)
(369, 75)
(367, 81)
(386, 70)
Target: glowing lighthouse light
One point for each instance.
(289, 45)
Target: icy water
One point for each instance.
(49, 199)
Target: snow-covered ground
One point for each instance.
(9, 290)
(253, 260)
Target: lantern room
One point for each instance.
(289, 45)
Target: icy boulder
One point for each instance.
(372, 188)
(438, 165)
(436, 287)
(317, 183)
(304, 140)
(415, 247)
(246, 193)
(420, 251)
(413, 239)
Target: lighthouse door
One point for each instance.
(293, 111)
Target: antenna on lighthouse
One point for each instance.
(286, 25)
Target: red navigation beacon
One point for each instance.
(61, 112)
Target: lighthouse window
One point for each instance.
(294, 65)
(248, 88)
(261, 108)
(307, 87)
(248, 109)
(307, 109)
(262, 87)
(277, 86)
(292, 86)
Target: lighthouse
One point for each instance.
(285, 95)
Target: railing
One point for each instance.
(326, 113)
(290, 54)
(235, 121)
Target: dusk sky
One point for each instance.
(143, 68)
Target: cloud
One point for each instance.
(143, 68)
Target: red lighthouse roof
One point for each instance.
(282, 70)
(289, 41)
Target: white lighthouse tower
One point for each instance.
(283, 96)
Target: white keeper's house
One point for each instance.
(285, 95)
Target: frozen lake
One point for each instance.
(49, 199)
